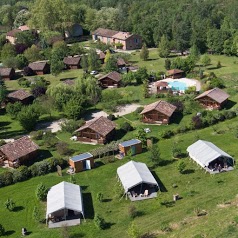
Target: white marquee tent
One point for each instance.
(204, 152)
(134, 173)
(63, 197)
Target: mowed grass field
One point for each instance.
(214, 194)
(217, 194)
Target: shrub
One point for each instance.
(63, 148)
(41, 192)
(133, 231)
(167, 134)
(2, 142)
(13, 109)
(111, 117)
(132, 212)
(99, 222)
(42, 168)
(176, 152)
(23, 82)
(100, 197)
(37, 135)
(219, 64)
(139, 110)
(2, 230)
(71, 125)
(7, 178)
(9, 204)
(49, 139)
(181, 166)
(126, 126)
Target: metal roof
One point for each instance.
(204, 152)
(82, 157)
(130, 142)
(134, 173)
(64, 195)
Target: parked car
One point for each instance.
(94, 72)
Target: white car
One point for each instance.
(94, 72)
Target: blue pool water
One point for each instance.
(176, 85)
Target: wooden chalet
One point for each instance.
(110, 80)
(175, 73)
(11, 36)
(158, 112)
(18, 152)
(162, 87)
(21, 96)
(121, 63)
(40, 68)
(72, 62)
(82, 162)
(213, 99)
(99, 130)
(101, 56)
(7, 73)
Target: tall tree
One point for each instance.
(144, 54)
(93, 60)
(163, 47)
(3, 91)
(111, 64)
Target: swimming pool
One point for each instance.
(176, 85)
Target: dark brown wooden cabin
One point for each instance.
(99, 130)
(101, 56)
(158, 112)
(7, 73)
(21, 96)
(111, 80)
(175, 73)
(40, 68)
(213, 99)
(19, 152)
(72, 62)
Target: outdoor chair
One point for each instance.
(146, 193)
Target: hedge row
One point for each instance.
(37, 169)
(203, 120)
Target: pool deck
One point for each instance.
(187, 81)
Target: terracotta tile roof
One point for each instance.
(174, 71)
(101, 125)
(122, 35)
(160, 106)
(6, 71)
(104, 32)
(216, 94)
(19, 94)
(115, 76)
(13, 32)
(72, 60)
(161, 84)
(37, 66)
(101, 55)
(19, 148)
(120, 62)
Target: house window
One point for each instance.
(136, 40)
(108, 40)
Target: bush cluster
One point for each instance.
(37, 169)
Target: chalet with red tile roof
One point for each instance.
(175, 73)
(20, 96)
(213, 99)
(158, 112)
(40, 67)
(18, 152)
(72, 62)
(111, 80)
(162, 87)
(119, 39)
(7, 73)
(99, 130)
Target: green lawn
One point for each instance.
(198, 190)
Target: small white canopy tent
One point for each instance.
(63, 197)
(204, 152)
(134, 173)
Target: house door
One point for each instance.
(133, 150)
(88, 164)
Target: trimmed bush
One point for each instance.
(41, 192)
(99, 222)
(2, 230)
(9, 204)
(126, 126)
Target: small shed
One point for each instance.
(7, 73)
(175, 73)
(21, 96)
(72, 62)
(64, 205)
(40, 68)
(134, 146)
(82, 162)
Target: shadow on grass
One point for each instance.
(214, 68)
(9, 233)
(63, 79)
(119, 134)
(230, 104)
(162, 188)
(188, 171)
(165, 162)
(168, 203)
(88, 205)
(107, 200)
(4, 134)
(177, 117)
(76, 235)
(108, 225)
(18, 208)
(149, 235)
